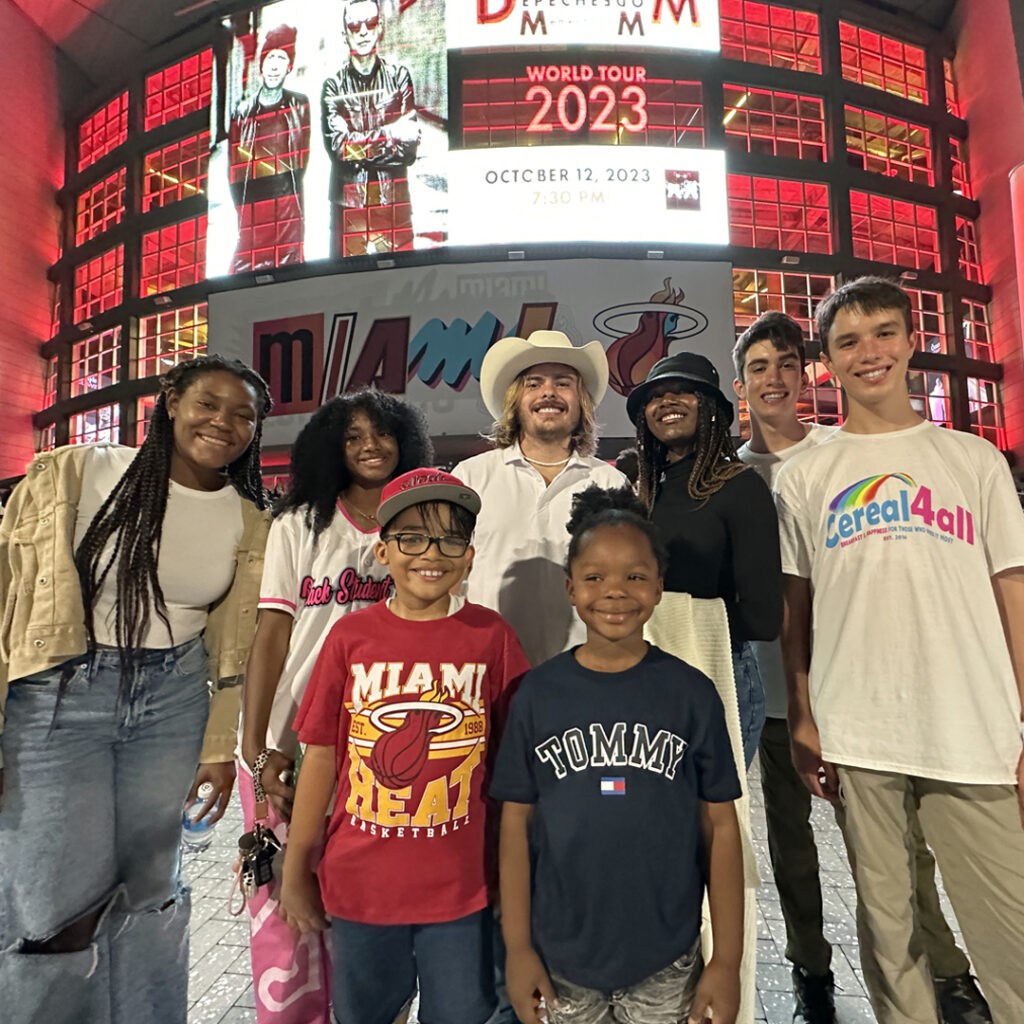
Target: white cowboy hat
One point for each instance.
(508, 357)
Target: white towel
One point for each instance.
(697, 631)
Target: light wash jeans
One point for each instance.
(749, 698)
(91, 819)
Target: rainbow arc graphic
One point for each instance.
(864, 491)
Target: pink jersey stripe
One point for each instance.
(270, 602)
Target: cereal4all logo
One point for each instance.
(861, 510)
(417, 736)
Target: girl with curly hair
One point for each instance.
(319, 566)
(128, 585)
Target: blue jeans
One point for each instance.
(91, 821)
(749, 697)
(376, 969)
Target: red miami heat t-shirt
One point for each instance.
(413, 710)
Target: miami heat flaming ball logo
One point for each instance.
(406, 729)
(662, 320)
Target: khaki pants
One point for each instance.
(976, 834)
(794, 857)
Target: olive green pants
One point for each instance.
(795, 867)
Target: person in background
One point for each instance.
(717, 518)
(372, 134)
(319, 566)
(129, 582)
(769, 358)
(903, 545)
(267, 155)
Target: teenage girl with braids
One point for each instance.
(319, 566)
(128, 584)
(718, 519)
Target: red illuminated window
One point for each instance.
(536, 111)
(767, 34)
(758, 291)
(893, 231)
(49, 382)
(961, 168)
(929, 313)
(143, 414)
(270, 231)
(95, 361)
(174, 256)
(952, 94)
(56, 301)
(929, 395)
(977, 332)
(46, 438)
(179, 89)
(103, 131)
(168, 338)
(882, 62)
(779, 123)
(986, 410)
(889, 146)
(99, 284)
(772, 213)
(95, 425)
(969, 253)
(178, 171)
(100, 207)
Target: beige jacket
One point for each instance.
(42, 619)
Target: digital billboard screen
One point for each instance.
(364, 127)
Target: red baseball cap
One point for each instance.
(420, 485)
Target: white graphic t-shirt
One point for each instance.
(316, 585)
(769, 652)
(900, 534)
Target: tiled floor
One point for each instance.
(220, 989)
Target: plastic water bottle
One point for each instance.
(197, 836)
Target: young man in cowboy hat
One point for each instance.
(542, 392)
(770, 360)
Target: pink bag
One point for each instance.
(291, 973)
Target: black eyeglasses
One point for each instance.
(419, 544)
(370, 23)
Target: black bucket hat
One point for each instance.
(696, 371)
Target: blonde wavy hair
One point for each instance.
(508, 430)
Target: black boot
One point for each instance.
(960, 1002)
(815, 997)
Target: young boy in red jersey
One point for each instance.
(402, 715)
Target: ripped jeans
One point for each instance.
(90, 825)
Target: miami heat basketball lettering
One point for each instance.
(416, 738)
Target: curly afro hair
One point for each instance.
(319, 475)
(610, 506)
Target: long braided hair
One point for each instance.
(132, 516)
(716, 460)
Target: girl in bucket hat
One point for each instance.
(718, 519)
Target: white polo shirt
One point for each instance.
(521, 543)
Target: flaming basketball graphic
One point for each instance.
(400, 754)
(663, 319)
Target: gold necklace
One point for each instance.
(368, 516)
(537, 462)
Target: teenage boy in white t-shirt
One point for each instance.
(770, 360)
(906, 543)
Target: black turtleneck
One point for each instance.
(726, 546)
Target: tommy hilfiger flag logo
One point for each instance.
(613, 786)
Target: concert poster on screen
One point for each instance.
(368, 127)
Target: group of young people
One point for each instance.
(462, 662)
